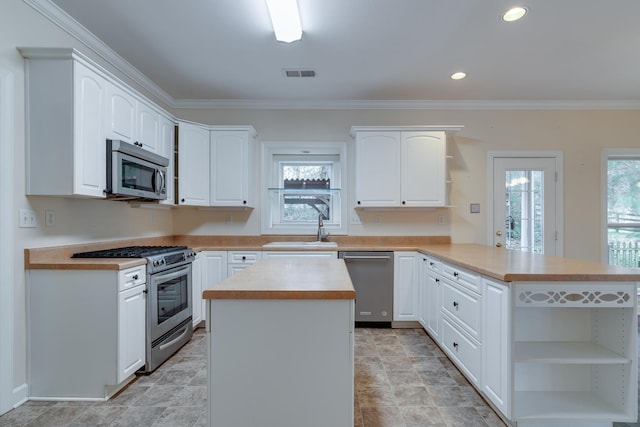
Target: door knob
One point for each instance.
(498, 233)
(498, 245)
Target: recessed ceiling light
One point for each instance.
(514, 13)
(458, 76)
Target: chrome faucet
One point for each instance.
(321, 235)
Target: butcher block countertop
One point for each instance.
(497, 263)
(515, 266)
(287, 279)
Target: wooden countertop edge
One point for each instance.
(214, 294)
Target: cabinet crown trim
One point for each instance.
(442, 128)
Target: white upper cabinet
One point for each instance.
(377, 169)
(231, 166)
(121, 114)
(422, 169)
(65, 125)
(132, 120)
(401, 167)
(193, 165)
(215, 166)
(148, 127)
(73, 106)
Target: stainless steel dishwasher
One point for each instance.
(372, 277)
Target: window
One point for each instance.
(623, 209)
(303, 181)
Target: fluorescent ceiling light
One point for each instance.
(459, 75)
(285, 19)
(514, 14)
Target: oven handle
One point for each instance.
(173, 341)
(170, 276)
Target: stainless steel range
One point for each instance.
(169, 288)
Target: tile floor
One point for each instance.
(402, 379)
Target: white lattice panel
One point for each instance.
(575, 294)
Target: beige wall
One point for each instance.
(580, 135)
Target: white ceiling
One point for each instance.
(377, 50)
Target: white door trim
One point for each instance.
(559, 160)
(606, 153)
(6, 242)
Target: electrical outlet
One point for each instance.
(376, 220)
(442, 220)
(229, 219)
(27, 219)
(50, 218)
(355, 218)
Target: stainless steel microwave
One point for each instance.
(134, 173)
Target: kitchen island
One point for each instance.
(280, 345)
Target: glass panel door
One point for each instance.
(524, 204)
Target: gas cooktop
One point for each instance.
(131, 252)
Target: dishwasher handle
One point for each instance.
(373, 257)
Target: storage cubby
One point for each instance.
(573, 353)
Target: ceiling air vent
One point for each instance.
(299, 73)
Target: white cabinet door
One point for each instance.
(167, 141)
(496, 350)
(131, 331)
(214, 270)
(231, 164)
(121, 114)
(377, 171)
(148, 127)
(193, 167)
(405, 287)
(433, 312)
(423, 290)
(89, 148)
(423, 169)
(196, 289)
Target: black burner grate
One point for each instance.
(129, 252)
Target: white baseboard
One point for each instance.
(20, 395)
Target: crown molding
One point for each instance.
(257, 104)
(59, 17)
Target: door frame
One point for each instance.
(632, 153)
(6, 243)
(558, 157)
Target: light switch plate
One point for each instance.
(474, 208)
(27, 218)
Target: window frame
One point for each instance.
(271, 153)
(610, 154)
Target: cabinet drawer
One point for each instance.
(462, 306)
(434, 266)
(464, 351)
(131, 277)
(243, 257)
(463, 277)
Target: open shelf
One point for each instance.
(566, 352)
(577, 405)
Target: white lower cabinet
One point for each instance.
(561, 354)
(239, 260)
(213, 270)
(496, 344)
(131, 331)
(405, 286)
(86, 331)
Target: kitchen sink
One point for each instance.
(300, 245)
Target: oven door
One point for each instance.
(169, 300)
